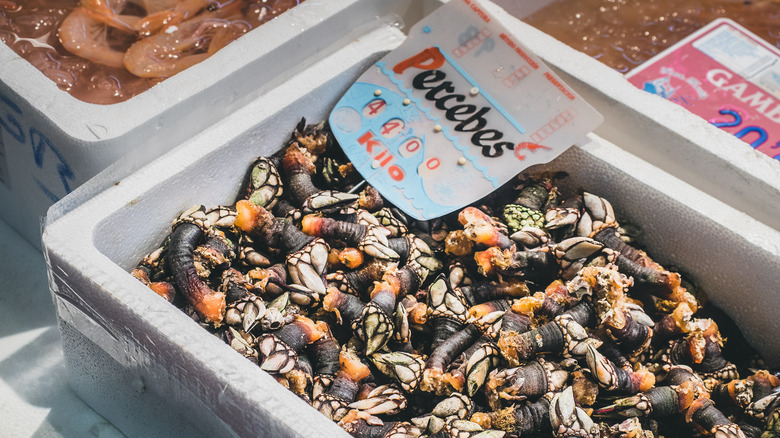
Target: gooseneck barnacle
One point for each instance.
(549, 321)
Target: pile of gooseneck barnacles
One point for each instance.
(525, 314)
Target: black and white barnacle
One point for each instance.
(188, 231)
(280, 349)
(264, 186)
(363, 425)
(447, 309)
(569, 420)
(528, 381)
(334, 401)
(405, 368)
(370, 239)
(519, 419)
(565, 335)
(243, 342)
(328, 201)
(394, 224)
(386, 399)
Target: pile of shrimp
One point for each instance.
(113, 46)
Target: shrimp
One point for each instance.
(86, 36)
(179, 47)
(164, 13)
(106, 12)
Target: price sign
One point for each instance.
(455, 112)
(725, 74)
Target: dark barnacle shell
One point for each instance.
(569, 420)
(188, 230)
(564, 335)
(519, 419)
(532, 380)
(264, 185)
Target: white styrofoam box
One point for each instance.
(176, 380)
(661, 132)
(51, 142)
(113, 326)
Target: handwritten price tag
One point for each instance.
(455, 112)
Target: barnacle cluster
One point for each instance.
(524, 314)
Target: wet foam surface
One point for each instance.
(35, 397)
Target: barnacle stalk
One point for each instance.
(370, 239)
(306, 256)
(569, 420)
(333, 403)
(188, 230)
(357, 282)
(701, 350)
(447, 309)
(519, 419)
(325, 356)
(270, 281)
(443, 354)
(479, 228)
(613, 378)
(364, 425)
(280, 349)
(298, 169)
(711, 420)
(532, 380)
(563, 335)
(415, 251)
(531, 264)
(624, 320)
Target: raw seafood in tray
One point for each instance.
(526, 313)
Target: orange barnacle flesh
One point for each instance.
(352, 366)
(528, 305)
(332, 301)
(418, 314)
(382, 287)
(455, 380)
(645, 378)
(250, 217)
(311, 329)
(312, 225)
(483, 419)
(471, 215)
(211, 307)
(294, 157)
(458, 244)
(351, 257)
(163, 289)
(480, 310)
(484, 260)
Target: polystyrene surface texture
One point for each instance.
(194, 373)
(661, 132)
(51, 143)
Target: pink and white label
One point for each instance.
(725, 74)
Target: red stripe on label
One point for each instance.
(479, 11)
(505, 38)
(559, 85)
